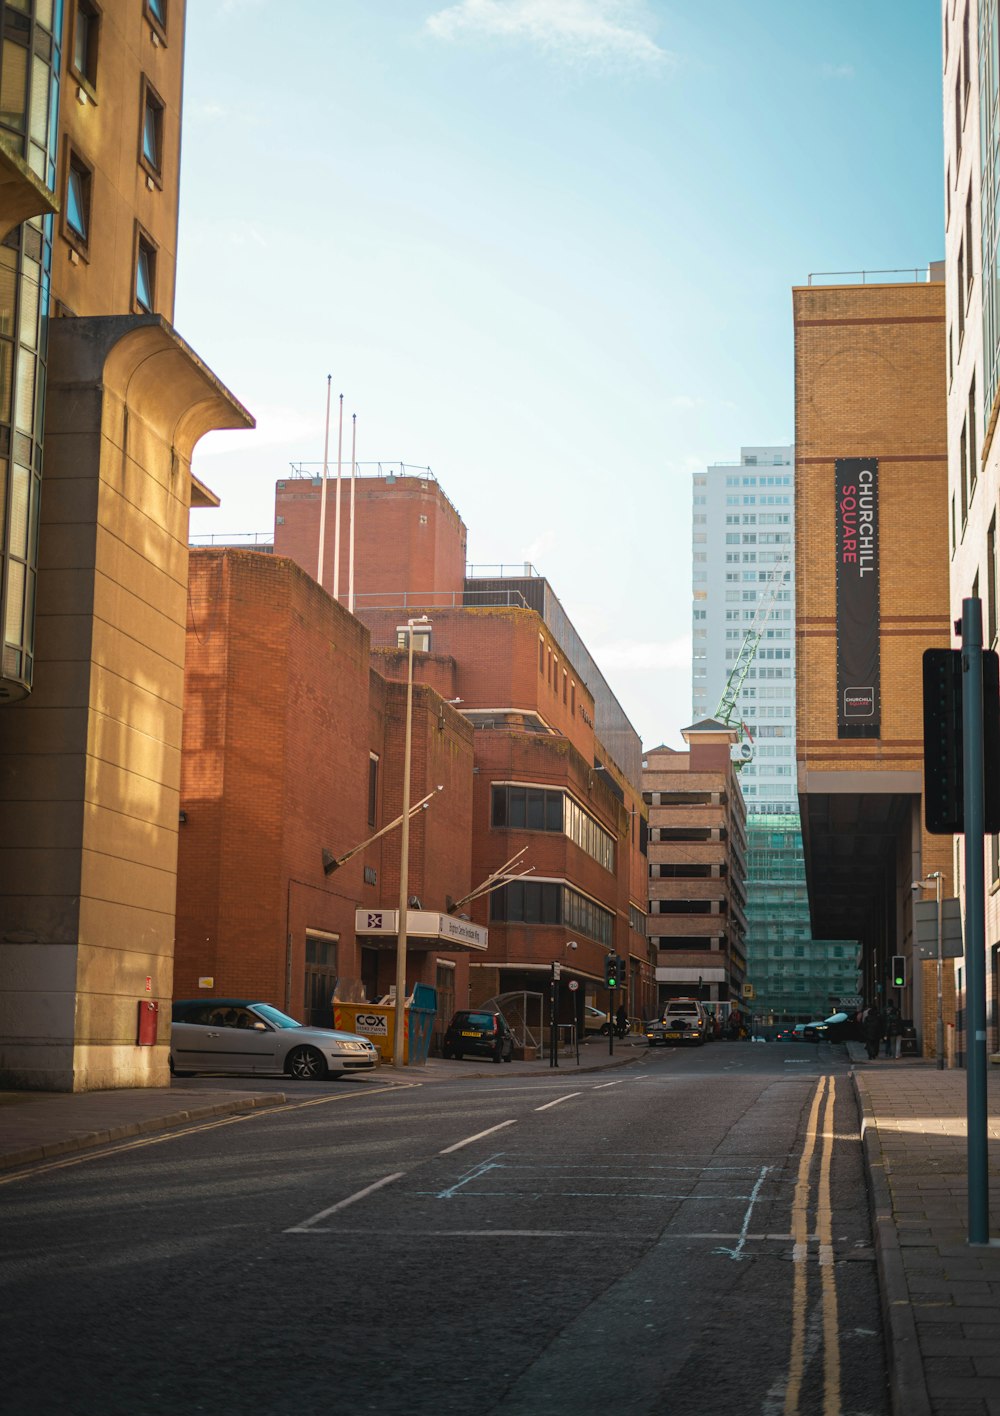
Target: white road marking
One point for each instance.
(477, 1137)
(557, 1101)
(620, 1082)
(307, 1224)
(737, 1253)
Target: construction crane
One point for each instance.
(726, 711)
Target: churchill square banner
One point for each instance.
(859, 707)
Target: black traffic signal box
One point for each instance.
(944, 806)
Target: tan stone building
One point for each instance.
(697, 866)
(99, 413)
(871, 515)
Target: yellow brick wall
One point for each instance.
(869, 373)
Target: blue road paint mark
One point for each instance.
(482, 1169)
(737, 1253)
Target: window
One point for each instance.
(151, 136)
(156, 14)
(372, 788)
(144, 285)
(76, 202)
(83, 56)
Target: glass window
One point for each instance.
(145, 274)
(78, 198)
(152, 128)
(86, 27)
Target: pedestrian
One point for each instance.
(734, 1025)
(621, 1020)
(872, 1028)
(893, 1030)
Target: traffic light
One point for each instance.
(898, 971)
(944, 805)
(611, 971)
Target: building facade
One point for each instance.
(697, 919)
(101, 406)
(971, 81)
(871, 596)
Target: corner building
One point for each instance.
(871, 595)
(555, 761)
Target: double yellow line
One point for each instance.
(824, 1100)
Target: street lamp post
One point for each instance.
(554, 1013)
(937, 880)
(404, 849)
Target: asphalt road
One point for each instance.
(688, 1234)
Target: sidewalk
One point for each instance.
(940, 1297)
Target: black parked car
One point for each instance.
(478, 1033)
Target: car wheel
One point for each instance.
(605, 1029)
(458, 1055)
(445, 1052)
(306, 1064)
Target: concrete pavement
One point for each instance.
(940, 1296)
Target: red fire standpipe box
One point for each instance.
(149, 1013)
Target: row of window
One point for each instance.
(548, 667)
(552, 902)
(77, 195)
(549, 809)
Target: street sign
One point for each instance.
(925, 929)
(748, 990)
(572, 985)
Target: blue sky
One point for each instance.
(546, 248)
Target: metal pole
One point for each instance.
(939, 1034)
(404, 867)
(322, 497)
(552, 1014)
(975, 918)
(557, 970)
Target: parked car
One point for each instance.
(683, 1021)
(595, 1021)
(240, 1035)
(478, 1033)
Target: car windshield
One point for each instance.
(275, 1016)
(478, 1020)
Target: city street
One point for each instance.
(689, 1233)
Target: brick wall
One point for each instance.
(408, 536)
(282, 712)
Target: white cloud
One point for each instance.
(838, 71)
(606, 31)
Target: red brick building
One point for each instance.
(556, 763)
(293, 746)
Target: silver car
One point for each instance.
(237, 1035)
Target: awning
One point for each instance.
(425, 929)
